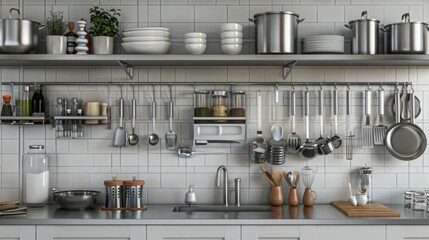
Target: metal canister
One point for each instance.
(133, 193)
(364, 35)
(114, 190)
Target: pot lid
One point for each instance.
(134, 183)
(405, 19)
(275, 12)
(364, 18)
(113, 182)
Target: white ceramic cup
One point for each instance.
(362, 199)
(92, 109)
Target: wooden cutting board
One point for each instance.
(374, 209)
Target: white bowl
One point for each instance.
(232, 41)
(147, 29)
(231, 49)
(146, 47)
(157, 33)
(195, 49)
(195, 40)
(231, 34)
(145, 39)
(231, 27)
(195, 35)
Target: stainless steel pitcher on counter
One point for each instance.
(365, 181)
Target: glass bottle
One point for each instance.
(38, 105)
(71, 38)
(36, 176)
(26, 103)
(59, 126)
(6, 110)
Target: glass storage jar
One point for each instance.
(220, 104)
(201, 103)
(238, 105)
(419, 201)
(36, 176)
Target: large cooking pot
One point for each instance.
(18, 35)
(364, 35)
(405, 37)
(276, 32)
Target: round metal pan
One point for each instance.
(405, 140)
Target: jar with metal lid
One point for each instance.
(201, 104)
(219, 103)
(114, 190)
(419, 201)
(133, 193)
(36, 176)
(238, 104)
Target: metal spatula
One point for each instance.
(380, 130)
(293, 139)
(170, 135)
(367, 135)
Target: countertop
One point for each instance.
(163, 214)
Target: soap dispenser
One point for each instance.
(190, 197)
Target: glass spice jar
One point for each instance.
(7, 108)
(220, 104)
(238, 105)
(201, 104)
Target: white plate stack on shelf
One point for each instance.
(323, 44)
(231, 38)
(146, 40)
(195, 43)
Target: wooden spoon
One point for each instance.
(267, 175)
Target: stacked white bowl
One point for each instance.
(231, 38)
(195, 43)
(147, 40)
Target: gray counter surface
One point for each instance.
(164, 215)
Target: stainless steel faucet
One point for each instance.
(225, 186)
(225, 182)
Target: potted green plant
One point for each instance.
(56, 43)
(105, 28)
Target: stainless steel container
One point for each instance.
(133, 193)
(18, 36)
(114, 190)
(405, 37)
(365, 181)
(276, 32)
(364, 35)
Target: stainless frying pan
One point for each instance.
(405, 140)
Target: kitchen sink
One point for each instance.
(217, 208)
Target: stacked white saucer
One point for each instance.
(147, 40)
(231, 38)
(195, 43)
(323, 44)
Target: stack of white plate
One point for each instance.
(231, 38)
(147, 40)
(323, 44)
(195, 43)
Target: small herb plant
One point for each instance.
(56, 24)
(105, 21)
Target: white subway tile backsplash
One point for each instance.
(325, 14)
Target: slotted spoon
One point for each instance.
(367, 135)
(293, 139)
(170, 135)
(380, 130)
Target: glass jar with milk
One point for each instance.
(36, 176)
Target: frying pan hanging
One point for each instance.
(405, 140)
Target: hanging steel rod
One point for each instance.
(212, 83)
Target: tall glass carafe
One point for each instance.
(36, 176)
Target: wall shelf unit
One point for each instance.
(215, 60)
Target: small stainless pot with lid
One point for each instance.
(364, 35)
(405, 37)
(18, 36)
(276, 32)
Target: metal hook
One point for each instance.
(397, 87)
(306, 86)
(348, 86)
(381, 86)
(368, 88)
(321, 86)
(293, 86)
(335, 86)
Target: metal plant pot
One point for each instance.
(102, 45)
(56, 44)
